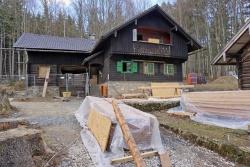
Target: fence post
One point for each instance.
(34, 84)
(27, 83)
(67, 86)
(87, 85)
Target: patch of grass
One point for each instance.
(231, 143)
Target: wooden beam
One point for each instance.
(224, 56)
(46, 82)
(165, 160)
(174, 28)
(130, 158)
(128, 136)
(136, 22)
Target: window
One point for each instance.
(126, 67)
(42, 70)
(169, 69)
(149, 68)
(139, 37)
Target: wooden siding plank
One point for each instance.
(100, 127)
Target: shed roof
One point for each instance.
(233, 47)
(47, 42)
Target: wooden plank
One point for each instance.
(46, 82)
(130, 158)
(167, 86)
(128, 136)
(165, 92)
(100, 127)
(165, 160)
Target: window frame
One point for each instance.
(133, 68)
(131, 63)
(166, 69)
(145, 68)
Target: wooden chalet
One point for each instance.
(237, 52)
(150, 47)
(62, 55)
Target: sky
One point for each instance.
(67, 2)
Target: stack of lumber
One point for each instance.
(166, 89)
(234, 104)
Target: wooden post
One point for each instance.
(46, 82)
(165, 160)
(128, 136)
(18, 65)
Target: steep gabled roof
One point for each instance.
(193, 43)
(233, 47)
(46, 42)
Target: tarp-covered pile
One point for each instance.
(143, 126)
(222, 108)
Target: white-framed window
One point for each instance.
(149, 68)
(169, 69)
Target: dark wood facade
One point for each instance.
(172, 47)
(59, 62)
(150, 45)
(244, 69)
(237, 52)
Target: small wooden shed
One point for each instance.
(237, 52)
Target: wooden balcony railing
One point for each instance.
(151, 48)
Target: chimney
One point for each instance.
(92, 36)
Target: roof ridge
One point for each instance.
(56, 36)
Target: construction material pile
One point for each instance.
(222, 108)
(102, 134)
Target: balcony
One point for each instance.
(146, 48)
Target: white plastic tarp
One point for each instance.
(218, 118)
(143, 124)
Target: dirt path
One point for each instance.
(62, 131)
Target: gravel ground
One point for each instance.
(62, 134)
(185, 154)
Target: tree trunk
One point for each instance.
(5, 106)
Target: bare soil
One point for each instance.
(221, 84)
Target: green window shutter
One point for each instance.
(119, 66)
(134, 67)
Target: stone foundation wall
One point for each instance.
(117, 88)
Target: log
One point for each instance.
(128, 136)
